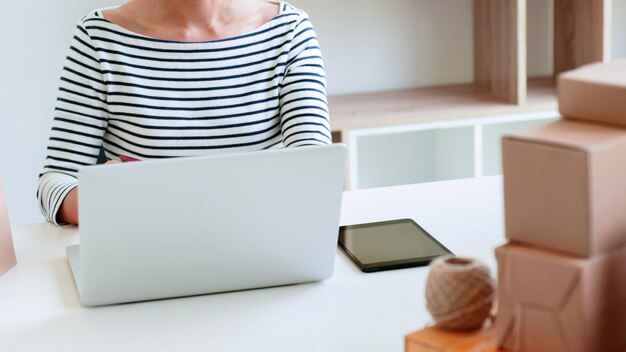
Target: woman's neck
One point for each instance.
(191, 13)
(192, 20)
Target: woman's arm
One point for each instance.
(303, 103)
(80, 119)
(68, 213)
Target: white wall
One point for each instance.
(368, 45)
(380, 45)
(618, 47)
(411, 43)
(540, 37)
(35, 36)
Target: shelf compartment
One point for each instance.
(415, 157)
(500, 87)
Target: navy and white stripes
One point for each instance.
(151, 98)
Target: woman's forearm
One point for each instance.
(68, 213)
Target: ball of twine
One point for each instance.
(459, 293)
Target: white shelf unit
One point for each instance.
(431, 151)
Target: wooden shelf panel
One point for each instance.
(500, 48)
(432, 104)
(582, 33)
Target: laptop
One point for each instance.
(190, 226)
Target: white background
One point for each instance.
(368, 45)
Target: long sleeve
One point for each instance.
(128, 93)
(80, 119)
(303, 104)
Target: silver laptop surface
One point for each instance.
(189, 226)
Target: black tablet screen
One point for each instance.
(389, 245)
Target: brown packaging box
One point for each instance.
(7, 253)
(595, 92)
(555, 302)
(565, 187)
(434, 339)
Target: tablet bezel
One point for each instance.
(392, 264)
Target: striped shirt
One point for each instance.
(150, 98)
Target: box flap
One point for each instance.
(605, 73)
(587, 137)
(537, 277)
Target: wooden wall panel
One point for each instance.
(500, 48)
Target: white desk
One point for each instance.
(352, 311)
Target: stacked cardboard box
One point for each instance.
(7, 253)
(435, 339)
(562, 277)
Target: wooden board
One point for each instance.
(337, 137)
(442, 103)
(500, 48)
(581, 33)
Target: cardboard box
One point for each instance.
(594, 92)
(7, 253)
(434, 339)
(565, 186)
(555, 302)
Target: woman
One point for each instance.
(160, 78)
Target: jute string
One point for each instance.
(459, 293)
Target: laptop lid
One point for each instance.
(187, 226)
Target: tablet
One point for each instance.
(389, 245)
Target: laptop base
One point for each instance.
(73, 258)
